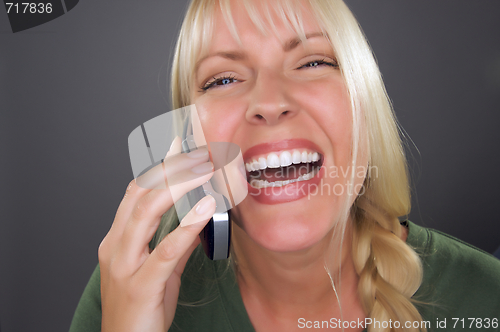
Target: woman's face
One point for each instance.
(280, 100)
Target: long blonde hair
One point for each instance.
(390, 272)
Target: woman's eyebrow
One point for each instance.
(231, 55)
(295, 41)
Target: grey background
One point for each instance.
(73, 89)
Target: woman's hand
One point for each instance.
(139, 288)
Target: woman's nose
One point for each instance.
(270, 102)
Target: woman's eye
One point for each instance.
(221, 81)
(319, 63)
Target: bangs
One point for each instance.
(265, 15)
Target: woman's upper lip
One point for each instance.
(286, 144)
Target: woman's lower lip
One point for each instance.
(288, 193)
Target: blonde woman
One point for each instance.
(295, 85)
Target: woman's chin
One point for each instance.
(284, 234)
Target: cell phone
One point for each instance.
(216, 235)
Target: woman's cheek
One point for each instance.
(219, 119)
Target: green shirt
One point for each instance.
(460, 289)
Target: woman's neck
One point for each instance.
(291, 285)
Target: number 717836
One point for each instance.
(29, 7)
(477, 323)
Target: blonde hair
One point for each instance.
(390, 272)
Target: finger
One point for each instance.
(133, 188)
(148, 211)
(132, 194)
(163, 260)
(155, 176)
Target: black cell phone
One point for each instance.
(216, 236)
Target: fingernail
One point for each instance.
(173, 147)
(176, 139)
(205, 204)
(199, 153)
(203, 168)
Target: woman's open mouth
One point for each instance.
(284, 171)
(280, 169)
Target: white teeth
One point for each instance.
(273, 161)
(255, 183)
(262, 163)
(255, 165)
(296, 157)
(307, 176)
(265, 184)
(285, 158)
(304, 157)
